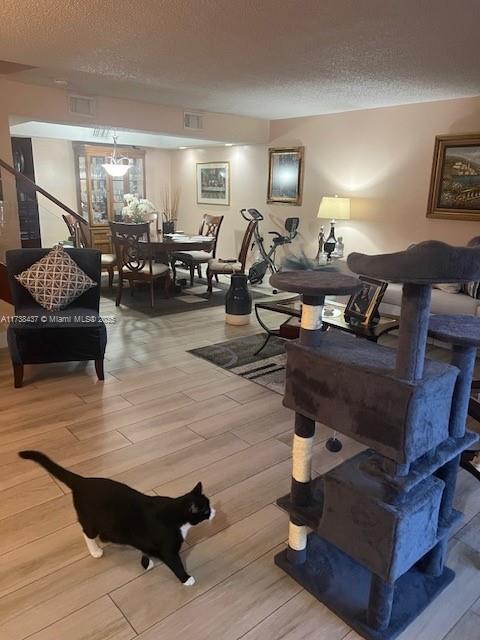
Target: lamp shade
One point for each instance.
(336, 208)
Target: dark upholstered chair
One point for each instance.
(210, 227)
(39, 336)
(227, 267)
(134, 258)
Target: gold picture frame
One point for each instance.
(455, 181)
(285, 175)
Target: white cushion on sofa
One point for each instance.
(442, 302)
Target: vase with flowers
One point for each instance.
(169, 210)
(137, 209)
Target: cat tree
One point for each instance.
(381, 520)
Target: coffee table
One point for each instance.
(332, 316)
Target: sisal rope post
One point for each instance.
(311, 320)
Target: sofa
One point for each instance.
(442, 302)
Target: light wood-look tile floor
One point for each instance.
(161, 421)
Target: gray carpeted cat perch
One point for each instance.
(382, 519)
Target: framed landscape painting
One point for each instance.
(213, 183)
(455, 182)
(285, 176)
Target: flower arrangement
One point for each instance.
(137, 209)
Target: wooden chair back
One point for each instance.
(79, 232)
(71, 228)
(210, 227)
(132, 255)
(247, 239)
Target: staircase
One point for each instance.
(81, 225)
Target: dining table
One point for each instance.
(162, 246)
(170, 243)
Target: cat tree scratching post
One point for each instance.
(381, 520)
(463, 334)
(313, 298)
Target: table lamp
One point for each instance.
(334, 209)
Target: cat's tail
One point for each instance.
(67, 477)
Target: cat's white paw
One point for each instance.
(189, 582)
(150, 565)
(96, 553)
(212, 513)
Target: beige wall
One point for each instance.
(50, 104)
(381, 158)
(248, 176)
(54, 171)
(157, 175)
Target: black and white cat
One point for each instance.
(114, 512)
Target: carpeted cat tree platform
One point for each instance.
(381, 520)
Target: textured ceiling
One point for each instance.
(264, 58)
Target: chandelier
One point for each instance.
(116, 167)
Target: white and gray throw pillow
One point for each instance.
(449, 287)
(55, 280)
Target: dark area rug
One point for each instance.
(189, 299)
(238, 355)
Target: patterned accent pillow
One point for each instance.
(55, 280)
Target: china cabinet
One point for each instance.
(100, 196)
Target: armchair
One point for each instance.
(39, 336)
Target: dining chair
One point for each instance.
(210, 227)
(72, 229)
(236, 265)
(133, 253)
(81, 240)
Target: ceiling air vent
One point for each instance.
(101, 132)
(192, 121)
(81, 105)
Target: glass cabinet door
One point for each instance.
(98, 191)
(83, 186)
(135, 177)
(101, 196)
(118, 191)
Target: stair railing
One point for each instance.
(33, 185)
(82, 235)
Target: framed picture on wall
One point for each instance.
(213, 183)
(285, 176)
(455, 182)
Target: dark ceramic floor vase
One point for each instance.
(238, 301)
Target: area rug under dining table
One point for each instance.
(187, 299)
